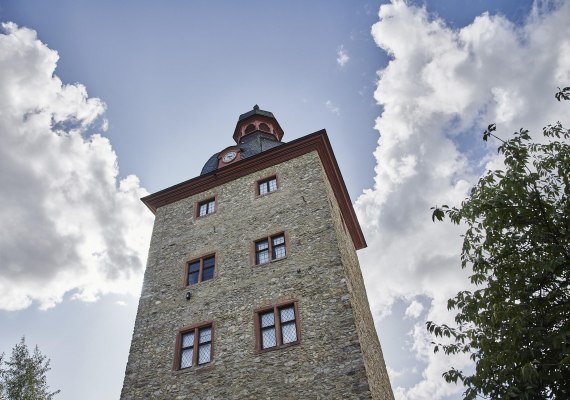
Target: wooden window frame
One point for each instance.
(277, 318)
(206, 201)
(266, 180)
(200, 271)
(196, 345)
(269, 240)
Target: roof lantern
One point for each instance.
(257, 120)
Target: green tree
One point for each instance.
(23, 377)
(515, 324)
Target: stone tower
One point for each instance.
(253, 288)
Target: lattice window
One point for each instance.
(195, 346)
(206, 207)
(267, 186)
(277, 326)
(271, 248)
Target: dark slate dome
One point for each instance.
(250, 145)
(256, 131)
(211, 164)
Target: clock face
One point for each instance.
(229, 156)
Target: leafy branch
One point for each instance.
(516, 325)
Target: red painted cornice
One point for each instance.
(318, 141)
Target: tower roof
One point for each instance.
(256, 131)
(256, 111)
(317, 141)
(257, 120)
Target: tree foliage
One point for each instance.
(515, 325)
(23, 377)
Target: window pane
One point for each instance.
(262, 245)
(188, 339)
(204, 353)
(209, 262)
(203, 210)
(289, 332)
(277, 240)
(287, 314)
(279, 252)
(186, 358)
(262, 257)
(208, 274)
(263, 188)
(194, 266)
(272, 185)
(205, 335)
(267, 319)
(211, 206)
(193, 278)
(268, 338)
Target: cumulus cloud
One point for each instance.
(440, 89)
(342, 57)
(414, 310)
(69, 224)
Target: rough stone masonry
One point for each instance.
(337, 356)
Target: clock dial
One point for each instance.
(229, 156)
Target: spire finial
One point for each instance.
(256, 107)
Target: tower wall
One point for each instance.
(377, 374)
(320, 272)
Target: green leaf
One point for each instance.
(515, 325)
(437, 214)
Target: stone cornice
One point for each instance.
(317, 141)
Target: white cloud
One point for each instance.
(332, 107)
(342, 57)
(438, 92)
(69, 224)
(414, 310)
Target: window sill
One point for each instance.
(270, 262)
(198, 369)
(204, 216)
(257, 196)
(195, 285)
(281, 347)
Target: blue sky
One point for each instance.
(197, 67)
(166, 84)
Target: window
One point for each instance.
(267, 186)
(206, 207)
(271, 248)
(277, 327)
(194, 346)
(264, 127)
(201, 270)
(249, 128)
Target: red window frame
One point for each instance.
(271, 248)
(196, 345)
(275, 309)
(266, 181)
(211, 202)
(200, 271)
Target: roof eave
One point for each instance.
(317, 141)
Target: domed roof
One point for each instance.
(249, 146)
(256, 131)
